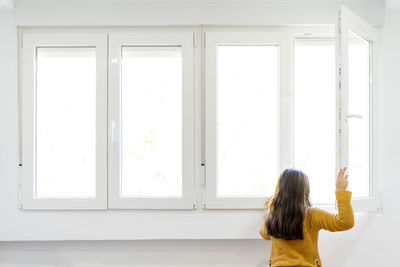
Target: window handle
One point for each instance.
(113, 132)
(354, 116)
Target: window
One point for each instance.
(358, 117)
(115, 120)
(315, 115)
(246, 82)
(151, 150)
(151, 85)
(65, 102)
(247, 76)
(358, 64)
(64, 119)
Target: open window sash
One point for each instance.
(357, 96)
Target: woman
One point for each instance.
(292, 224)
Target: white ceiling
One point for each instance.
(55, 2)
(6, 4)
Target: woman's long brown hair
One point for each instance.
(288, 206)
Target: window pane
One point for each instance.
(151, 99)
(65, 122)
(314, 115)
(359, 77)
(247, 120)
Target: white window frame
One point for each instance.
(194, 56)
(348, 20)
(116, 42)
(281, 39)
(31, 42)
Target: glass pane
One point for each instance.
(151, 130)
(247, 120)
(314, 115)
(65, 122)
(359, 78)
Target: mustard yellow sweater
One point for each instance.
(305, 252)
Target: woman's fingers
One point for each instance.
(341, 172)
(342, 179)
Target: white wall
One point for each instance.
(190, 12)
(391, 131)
(372, 242)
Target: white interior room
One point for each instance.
(263, 85)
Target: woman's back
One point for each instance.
(304, 252)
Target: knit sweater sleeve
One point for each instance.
(341, 221)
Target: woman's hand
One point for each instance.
(341, 180)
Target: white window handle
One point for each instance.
(355, 116)
(113, 130)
